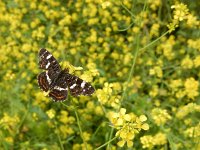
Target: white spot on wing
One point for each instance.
(49, 56)
(48, 79)
(71, 87)
(47, 66)
(83, 84)
(59, 88)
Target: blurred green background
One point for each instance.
(143, 56)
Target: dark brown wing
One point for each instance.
(43, 81)
(78, 87)
(47, 61)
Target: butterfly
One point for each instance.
(57, 82)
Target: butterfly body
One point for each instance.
(58, 81)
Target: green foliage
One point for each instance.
(142, 57)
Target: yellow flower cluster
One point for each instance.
(109, 95)
(188, 88)
(9, 123)
(193, 132)
(128, 125)
(191, 88)
(131, 59)
(149, 141)
(185, 110)
(160, 116)
(181, 13)
(66, 120)
(187, 63)
(51, 113)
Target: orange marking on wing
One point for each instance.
(57, 96)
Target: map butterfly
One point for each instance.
(57, 81)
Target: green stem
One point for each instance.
(111, 133)
(80, 129)
(136, 53)
(78, 122)
(59, 139)
(106, 143)
(153, 41)
(132, 67)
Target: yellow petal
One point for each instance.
(123, 135)
(121, 143)
(119, 122)
(129, 143)
(127, 117)
(145, 126)
(130, 135)
(122, 111)
(143, 118)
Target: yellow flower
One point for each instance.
(185, 110)
(86, 136)
(147, 141)
(196, 61)
(175, 84)
(154, 32)
(102, 96)
(65, 130)
(35, 116)
(105, 4)
(119, 118)
(187, 63)
(9, 122)
(86, 76)
(143, 118)
(156, 71)
(180, 12)
(167, 47)
(193, 132)
(127, 125)
(9, 140)
(160, 116)
(66, 20)
(154, 4)
(192, 21)
(98, 110)
(126, 135)
(194, 44)
(191, 87)
(92, 69)
(160, 139)
(65, 118)
(51, 113)
(154, 91)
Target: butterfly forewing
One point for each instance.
(48, 62)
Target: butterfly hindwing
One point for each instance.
(58, 95)
(78, 87)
